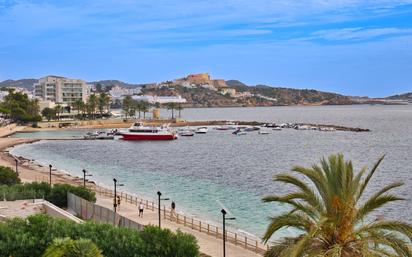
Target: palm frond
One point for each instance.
(368, 178)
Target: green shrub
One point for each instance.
(56, 194)
(8, 176)
(31, 237)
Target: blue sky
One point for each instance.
(354, 47)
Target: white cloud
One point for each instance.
(358, 33)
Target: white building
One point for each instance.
(61, 90)
(118, 92)
(159, 99)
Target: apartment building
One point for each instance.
(61, 90)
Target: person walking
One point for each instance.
(141, 208)
(118, 202)
(173, 210)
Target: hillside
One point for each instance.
(107, 83)
(403, 97)
(24, 83)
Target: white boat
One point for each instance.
(263, 132)
(186, 133)
(201, 130)
(277, 128)
(140, 132)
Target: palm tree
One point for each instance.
(92, 102)
(333, 217)
(78, 106)
(58, 108)
(103, 102)
(171, 106)
(66, 247)
(179, 107)
(145, 108)
(127, 105)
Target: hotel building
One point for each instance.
(61, 90)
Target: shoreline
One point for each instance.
(31, 170)
(176, 123)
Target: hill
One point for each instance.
(24, 83)
(108, 83)
(404, 97)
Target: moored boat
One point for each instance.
(140, 132)
(201, 130)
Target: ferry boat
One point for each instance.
(140, 132)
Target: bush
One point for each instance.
(56, 194)
(21, 238)
(8, 176)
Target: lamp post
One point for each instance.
(224, 230)
(17, 169)
(115, 194)
(50, 169)
(84, 177)
(159, 196)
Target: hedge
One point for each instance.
(56, 194)
(31, 237)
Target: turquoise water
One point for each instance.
(199, 172)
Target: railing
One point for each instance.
(232, 237)
(90, 211)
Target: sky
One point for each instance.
(353, 47)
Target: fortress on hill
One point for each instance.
(202, 79)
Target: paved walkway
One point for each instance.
(208, 244)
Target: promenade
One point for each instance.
(210, 244)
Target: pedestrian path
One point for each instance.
(208, 244)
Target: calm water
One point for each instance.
(201, 172)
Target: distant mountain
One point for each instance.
(108, 83)
(24, 83)
(404, 97)
(236, 84)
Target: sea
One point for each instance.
(205, 173)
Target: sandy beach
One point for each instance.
(30, 171)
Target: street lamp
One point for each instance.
(224, 230)
(115, 194)
(84, 177)
(159, 195)
(50, 169)
(17, 170)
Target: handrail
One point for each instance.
(232, 237)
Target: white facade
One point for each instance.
(159, 99)
(61, 90)
(118, 92)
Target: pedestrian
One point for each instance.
(173, 210)
(118, 203)
(141, 208)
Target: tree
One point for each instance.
(145, 108)
(171, 106)
(179, 107)
(18, 107)
(8, 176)
(127, 105)
(333, 216)
(103, 102)
(58, 109)
(92, 104)
(48, 113)
(66, 247)
(78, 104)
